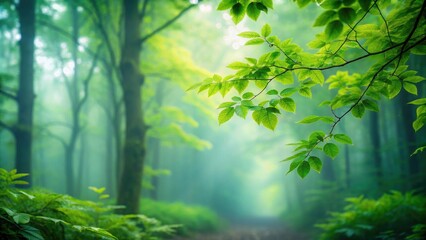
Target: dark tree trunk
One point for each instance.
(135, 130)
(25, 97)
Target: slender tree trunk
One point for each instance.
(134, 146)
(155, 166)
(73, 91)
(25, 97)
(347, 167)
(375, 140)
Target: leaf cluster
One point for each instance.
(239, 8)
(392, 216)
(42, 215)
(354, 31)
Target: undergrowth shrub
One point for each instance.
(392, 216)
(41, 215)
(192, 218)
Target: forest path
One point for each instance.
(253, 229)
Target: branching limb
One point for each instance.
(166, 24)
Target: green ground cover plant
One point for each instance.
(392, 216)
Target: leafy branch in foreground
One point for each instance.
(379, 32)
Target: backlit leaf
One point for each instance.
(315, 163)
(252, 11)
(266, 30)
(226, 114)
(309, 119)
(420, 101)
(288, 104)
(241, 111)
(295, 163)
(342, 138)
(255, 41)
(226, 4)
(411, 88)
(249, 34)
(331, 150)
(269, 120)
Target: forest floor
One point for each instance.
(254, 229)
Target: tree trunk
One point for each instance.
(135, 130)
(376, 143)
(25, 97)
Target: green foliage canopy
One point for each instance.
(382, 32)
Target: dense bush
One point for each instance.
(38, 215)
(192, 218)
(392, 216)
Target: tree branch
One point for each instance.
(168, 23)
(7, 127)
(8, 94)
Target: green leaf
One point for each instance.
(252, 11)
(237, 12)
(394, 88)
(261, 7)
(358, 110)
(295, 163)
(303, 169)
(305, 92)
(420, 101)
(370, 105)
(324, 18)
(347, 15)
(315, 163)
(249, 34)
(288, 92)
(348, 2)
(241, 111)
(248, 95)
(333, 29)
(331, 150)
(272, 92)
(288, 104)
(419, 123)
(269, 120)
(266, 30)
(342, 138)
(238, 65)
(411, 88)
(330, 4)
(226, 104)
(285, 78)
(309, 119)
(255, 41)
(240, 85)
(365, 4)
(226, 114)
(30, 233)
(214, 88)
(268, 3)
(236, 99)
(21, 218)
(226, 4)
